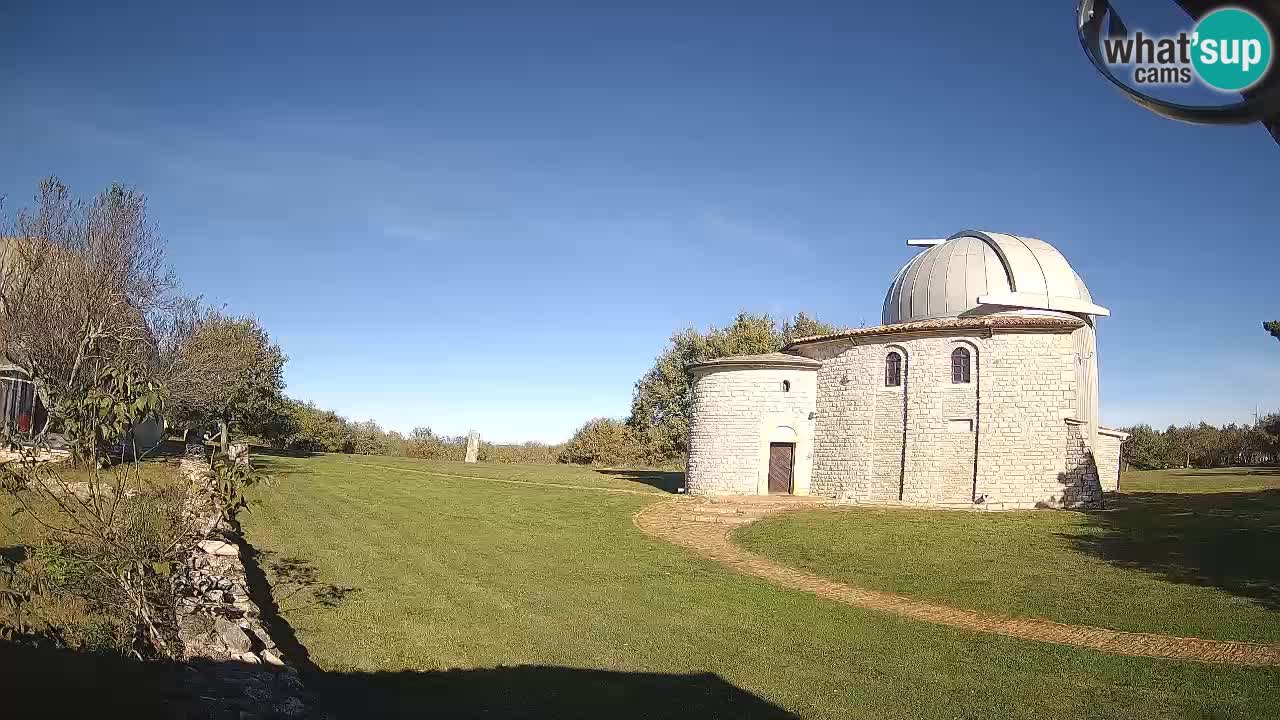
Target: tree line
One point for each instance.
(304, 427)
(1203, 445)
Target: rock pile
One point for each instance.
(235, 669)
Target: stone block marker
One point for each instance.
(473, 447)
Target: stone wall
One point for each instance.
(235, 671)
(1000, 439)
(737, 412)
(1028, 391)
(1080, 487)
(941, 424)
(1107, 454)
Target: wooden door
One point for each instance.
(781, 461)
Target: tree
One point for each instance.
(318, 430)
(1272, 327)
(225, 370)
(602, 441)
(802, 326)
(82, 285)
(660, 406)
(367, 438)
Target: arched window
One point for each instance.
(960, 365)
(786, 386)
(893, 370)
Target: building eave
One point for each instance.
(980, 324)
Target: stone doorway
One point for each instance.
(781, 467)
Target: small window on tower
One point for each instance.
(786, 386)
(960, 365)
(893, 370)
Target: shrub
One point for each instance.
(603, 441)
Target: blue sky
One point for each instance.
(492, 216)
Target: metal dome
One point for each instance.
(980, 273)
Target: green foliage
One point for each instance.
(101, 416)
(604, 442)
(1272, 327)
(530, 453)
(230, 480)
(368, 438)
(661, 403)
(97, 576)
(1203, 445)
(223, 368)
(423, 442)
(61, 569)
(316, 430)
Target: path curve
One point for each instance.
(703, 525)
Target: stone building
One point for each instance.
(978, 390)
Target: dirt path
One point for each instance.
(703, 525)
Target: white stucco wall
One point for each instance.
(737, 412)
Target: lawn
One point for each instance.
(1181, 552)
(493, 596)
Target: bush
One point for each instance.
(603, 441)
(530, 453)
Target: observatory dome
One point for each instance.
(982, 273)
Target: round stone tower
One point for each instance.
(751, 430)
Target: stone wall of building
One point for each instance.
(941, 424)
(1000, 439)
(737, 412)
(1028, 391)
(1107, 454)
(1080, 487)
(846, 433)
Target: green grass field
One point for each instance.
(1180, 552)
(491, 597)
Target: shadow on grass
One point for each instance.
(280, 452)
(665, 480)
(1209, 473)
(529, 691)
(1227, 540)
(60, 683)
(271, 465)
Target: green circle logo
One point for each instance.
(1232, 49)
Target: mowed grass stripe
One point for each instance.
(508, 481)
(455, 573)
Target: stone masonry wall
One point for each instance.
(733, 410)
(1107, 454)
(845, 431)
(1003, 434)
(941, 424)
(1027, 393)
(888, 435)
(234, 669)
(1080, 480)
